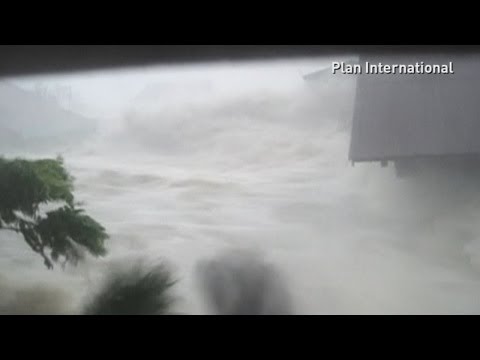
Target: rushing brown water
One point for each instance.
(253, 158)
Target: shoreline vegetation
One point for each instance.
(62, 235)
(238, 283)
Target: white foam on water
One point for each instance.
(256, 161)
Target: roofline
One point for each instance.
(416, 157)
(16, 60)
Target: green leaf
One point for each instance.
(65, 232)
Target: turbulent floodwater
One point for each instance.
(266, 169)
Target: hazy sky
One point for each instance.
(108, 93)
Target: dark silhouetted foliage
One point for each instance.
(60, 234)
(242, 283)
(136, 291)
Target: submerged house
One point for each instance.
(420, 119)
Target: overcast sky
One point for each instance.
(108, 93)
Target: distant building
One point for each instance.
(31, 121)
(418, 119)
(325, 74)
(335, 94)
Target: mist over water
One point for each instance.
(190, 163)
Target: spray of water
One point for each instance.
(253, 157)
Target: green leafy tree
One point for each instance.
(60, 235)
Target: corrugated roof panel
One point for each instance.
(417, 115)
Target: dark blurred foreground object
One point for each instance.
(139, 290)
(241, 283)
(18, 60)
